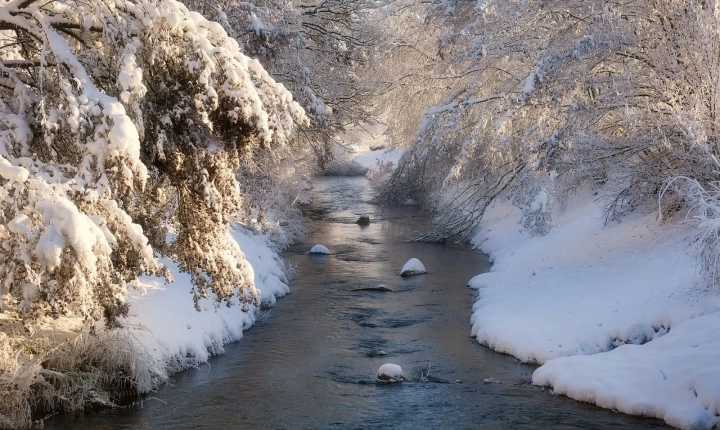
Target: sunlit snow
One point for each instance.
(611, 311)
(319, 249)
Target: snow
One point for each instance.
(611, 312)
(676, 375)
(534, 76)
(390, 372)
(12, 173)
(256, 25)
(166, 324)
(68, 226)
(319, 249)
(412, 267)
(540, 202)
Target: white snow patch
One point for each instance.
(12, 173)
(675, 377)
(540, 202)
(390, 372)
(373, 158)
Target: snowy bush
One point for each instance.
(380, 174)
(272, 185)
(319, 50)
(119, 119)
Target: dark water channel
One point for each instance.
(311, 363)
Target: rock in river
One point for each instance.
(390, 373)
(413, 267)
(363, 220)
(319, 249)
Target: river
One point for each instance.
(311, 362)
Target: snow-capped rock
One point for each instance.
(413, 267)
(390, 373)
(319, 249)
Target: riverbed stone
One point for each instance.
(363, 220)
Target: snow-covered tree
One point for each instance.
(474, 146)
(317, 49)
(545, 96)
(120, 121)
(406, 67)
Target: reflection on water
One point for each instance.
(312, 362)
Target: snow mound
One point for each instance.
(675, 378)
(390, 373)
(573, 298)
(413, 267)
(319, 249)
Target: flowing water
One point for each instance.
(311, 363)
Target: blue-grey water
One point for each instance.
(311, 363)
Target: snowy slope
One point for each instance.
(585, 289)
(675, 377)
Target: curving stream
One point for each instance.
(311, 363)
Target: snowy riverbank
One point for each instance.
(175, 335)
(573, 299)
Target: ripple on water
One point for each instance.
(392, 322)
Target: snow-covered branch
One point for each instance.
(125, 118)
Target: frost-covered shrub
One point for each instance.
(115, 113)
(537, 216)
(272, 185)
(380, 173)
(318, 49)
(704, 216)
